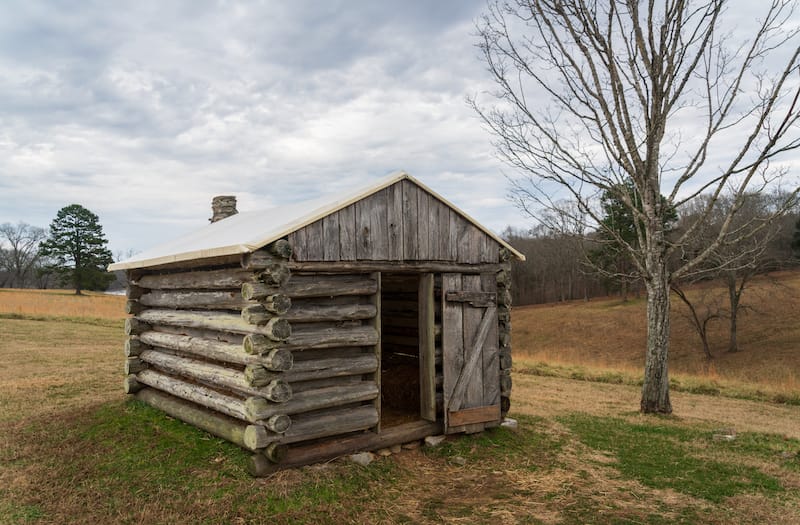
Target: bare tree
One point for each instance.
(20, 253)
(592, 94)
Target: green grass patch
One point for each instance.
(139, 454)
(661, 456)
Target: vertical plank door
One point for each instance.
(470, 352)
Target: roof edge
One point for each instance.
(236, 249)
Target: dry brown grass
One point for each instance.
(61, 303)
(611, 334)
(60, 379)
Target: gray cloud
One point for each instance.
(143, 111)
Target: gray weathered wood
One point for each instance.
(443, 232)
(506, 361)
(473, 317)
(134, 346)
(305, 454)
(478, 299)
(134, 365)
(423, 226)
(364, 235)
(410, 221)
(314, 313)
(452, 235)
(215, 350)
(474, 356)
(134, 326)
(278, 423)
(314, 369)
(312, 400)
(505, 383)
(227, 278)
(491, 351)
(330, 423)
(131, 385)
(134, 292)
(427, 348)
(277, 391)
(330, 233)
(452, 340)
(256, 437)
(229, 405)
(298, 240)
(275, 452)
(434, 229)
(332, 338)
(379, 225)
(304, 286)
(394, 208)
(226, 322)
(347, 233)
(315, 242)
(267, 256)
(392, 266)
(376, 324)
(133, 307)
(201, 299)
(216, 424)
(217, 376)
(280, 248)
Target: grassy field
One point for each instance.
(606, 339)
(73, 449)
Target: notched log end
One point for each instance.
(131, 385)
(255, 437)
(279, 360)
(256, 344)
(279, 423)
(278, 391)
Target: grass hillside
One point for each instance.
(611, 334)
(74, 449)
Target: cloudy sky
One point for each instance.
(142, 111)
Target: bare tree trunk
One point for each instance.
(700, 325)
(655, 389)
(735, 296)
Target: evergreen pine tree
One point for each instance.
(77, 248)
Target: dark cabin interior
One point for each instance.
(400, 376)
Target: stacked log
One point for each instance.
(254, 354)
(504, 334)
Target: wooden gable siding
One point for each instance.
(399, 223)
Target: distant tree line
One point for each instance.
(567, 262)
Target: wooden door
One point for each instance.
(470, 352)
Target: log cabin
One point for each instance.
(309, 331)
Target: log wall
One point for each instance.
(268, 353)
(255, 354)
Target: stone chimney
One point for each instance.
(223, 206)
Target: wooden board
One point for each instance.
(427, 349)
(470, 352)
(401, 222)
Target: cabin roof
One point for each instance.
(248, 231)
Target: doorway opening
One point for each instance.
(400, 349)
